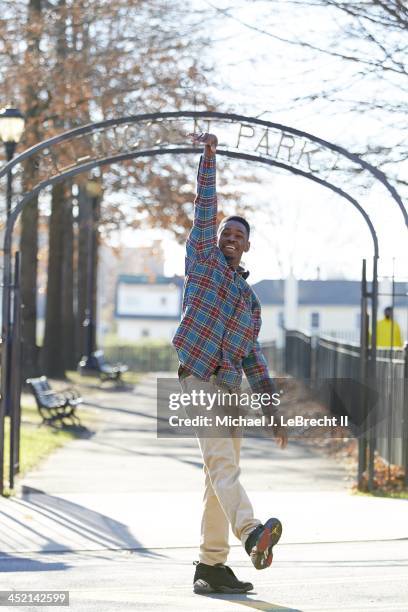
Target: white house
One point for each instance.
(328, 307)
(147, 306)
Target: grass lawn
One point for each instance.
(38, 440)
(403, 494)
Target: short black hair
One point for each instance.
(239, 219)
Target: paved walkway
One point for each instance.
(115, 519)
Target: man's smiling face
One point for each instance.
(232, 240)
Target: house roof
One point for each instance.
(271, 291)
(144, 279)
(322, 292)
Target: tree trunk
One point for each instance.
(59, 338)
(29, 216)
(28, 248)
(84, 214)
(67, 294)
(59, 341)
(96, 221)
(53, 351)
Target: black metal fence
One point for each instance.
(316, 359)
(392, 428)
(298, 354)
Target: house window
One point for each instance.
(281, 319)
(315, 320)
(145, 333)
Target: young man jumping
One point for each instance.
(216, 341)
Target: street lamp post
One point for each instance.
(11, 129)
(94, 191)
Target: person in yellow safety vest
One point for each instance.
(385, 328)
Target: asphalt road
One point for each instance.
(352, 577)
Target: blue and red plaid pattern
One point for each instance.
(221, 313)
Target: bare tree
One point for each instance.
(68, 62)
(365, 47)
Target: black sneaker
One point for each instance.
(260, 542)
(218, 578)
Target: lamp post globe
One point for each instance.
(12, 125)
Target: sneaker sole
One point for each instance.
(261, 554)
(201, 587)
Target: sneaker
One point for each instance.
(260, 542)
(218, 578)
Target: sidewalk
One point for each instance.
(125, 490)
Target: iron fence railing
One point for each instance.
(392, 388)
(317, 359)
(339, 363)
(298, 354)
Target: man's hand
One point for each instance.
(281, 436)
(209, 140)
(276, 430)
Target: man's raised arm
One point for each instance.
(203, 235)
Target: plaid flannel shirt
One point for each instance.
(221, 314)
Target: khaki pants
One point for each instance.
(225, 501)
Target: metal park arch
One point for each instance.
(116, 140)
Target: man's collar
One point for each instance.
(241, 271)
(244, 273)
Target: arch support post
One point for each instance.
(364, 341)
(6, 337)
(372, 421)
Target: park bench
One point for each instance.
(98, 365)
(55, 405)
